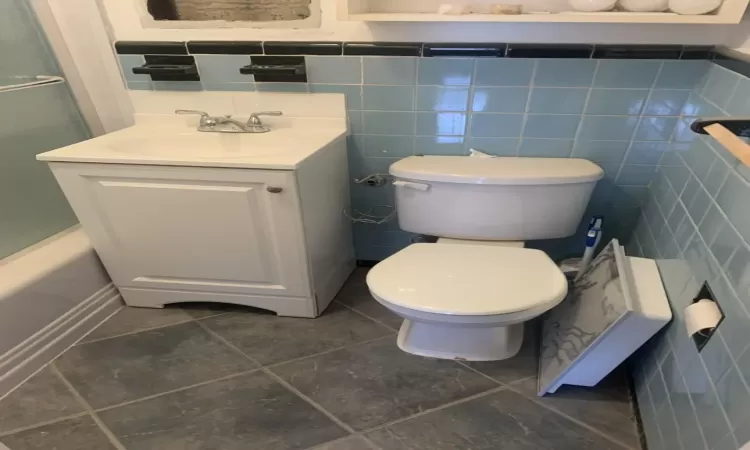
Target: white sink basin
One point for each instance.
(177, 144)
(197, 145)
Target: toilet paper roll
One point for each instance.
(702, 315)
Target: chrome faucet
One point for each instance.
(226, 124)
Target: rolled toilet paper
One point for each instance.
(701, 315)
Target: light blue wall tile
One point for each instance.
(699, 205)
(727, 241)
(140, 85)
(739, 103)
(446, 71)
(388, 98)
(500, 99)
(495, 146)
(678, 177)
(681, 74)
(607, 128)
(551, 126)
(389, 70)
(621, 102)
(388, 122)
(564, 72)
(697, 106)
(353, 93)
(334, 69)
(356, 122)
(388, 146)
(442, 98)
(712, 224)
(127, 62)
(503, 72)
(545, 148)
(223, 68)
(281, 87)
(738, 271)
(623, 73)
(655, 128)
(733, 201)
(720, 85)
(440, 145)
(716, 177)
(557, 100)
(666, 102)
(228, 87)
(636, 175)
(441, 124)
(646, 152)
(682, 132)
(734, 397)
(178, 85)
(612, 152)
(496, 125)
(716, 358)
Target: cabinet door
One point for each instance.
(200, 229)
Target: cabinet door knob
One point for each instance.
(274, 190)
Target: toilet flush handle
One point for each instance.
(412, 185)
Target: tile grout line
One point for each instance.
(570, 418)
(44, 423)
(435, 409)
(351, 308)
(82, 342)
(94, 416)
(288, 386)
(180, 389)
(302, 358)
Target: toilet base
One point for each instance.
(460, 343)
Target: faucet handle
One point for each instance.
(191, 111)
(254, 119)
(267, 113)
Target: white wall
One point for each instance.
(126, 25)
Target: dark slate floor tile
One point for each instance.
(41, 398)
(521, 366)
(503, 420)
(270, 339)
(130, 320)
(376, 383)
(356, 295)
(137, 365)
(349, 443)
(80, 433)
(606, 407)
(247, 412)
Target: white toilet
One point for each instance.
(469, 300)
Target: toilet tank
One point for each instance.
(493, 198)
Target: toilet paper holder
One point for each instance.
(701, 336)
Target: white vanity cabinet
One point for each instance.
(274, 239)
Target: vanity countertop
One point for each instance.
(177, 143)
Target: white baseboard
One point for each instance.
(25, 359)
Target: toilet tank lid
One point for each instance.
(501, 170)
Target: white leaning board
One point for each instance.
(617, 305)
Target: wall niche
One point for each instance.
(229, 10)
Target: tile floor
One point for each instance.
(229, 378)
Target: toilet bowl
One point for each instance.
(467, 296)
(466, 302)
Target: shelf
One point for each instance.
(606, 17)
(730, 12)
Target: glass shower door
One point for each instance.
(37, 113)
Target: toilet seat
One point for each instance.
(468, 280)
